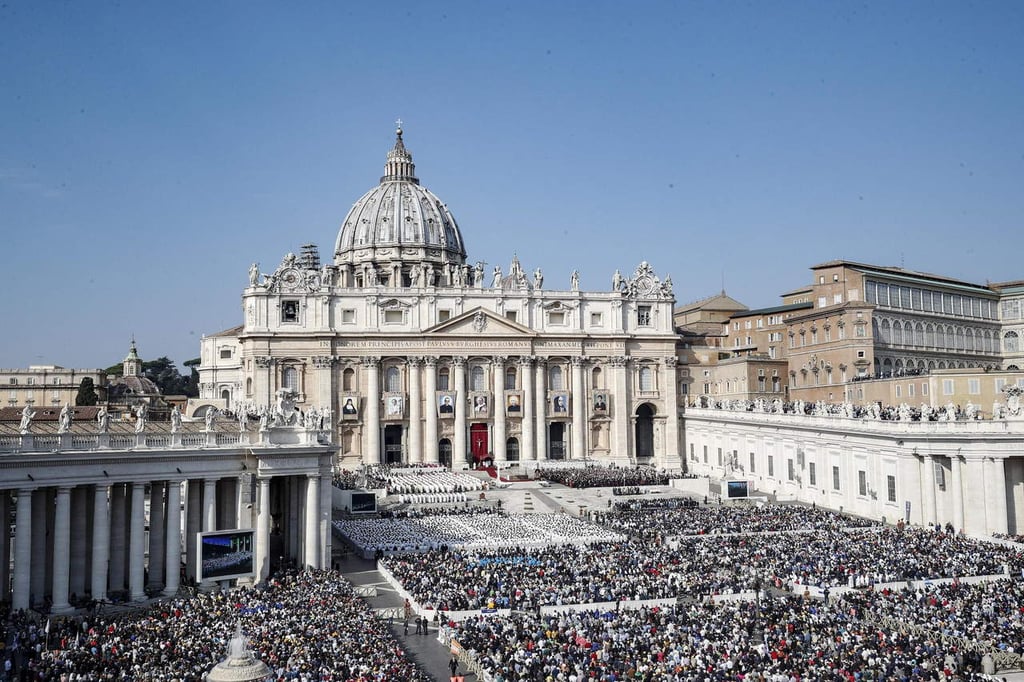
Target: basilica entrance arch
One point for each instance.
(444, 452)
(512, 450)
(644, 431)
(556, 440)
(479, 443)
(393, 444)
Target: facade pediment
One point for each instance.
(479, 322)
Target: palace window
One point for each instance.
(643, 316)
(862, 483)
(835, 478)
(555, 378)
(1011, 342)
(348, 378)
(890, 487)
(394, 316)
(812, 475)
(646, 378)
(442, 379)
(556, 318)
(348, 316)
(290, 378)
(510, 378)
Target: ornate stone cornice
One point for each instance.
(322, 361)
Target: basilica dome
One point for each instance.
(398, 223)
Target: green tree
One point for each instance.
(86, 393)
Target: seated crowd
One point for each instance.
(599, 476)
(304, 626)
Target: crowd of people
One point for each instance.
(772, 640)
(304, 625)
(600, 476)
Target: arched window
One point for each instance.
(510, 378)
(897, 334)
(392, 379)
(1011, 342)
(597, 378)
(477, 379)
(348, 379)
(290, 378)
(555, 377)
(225, 395)
(442, 379)
(646, 377)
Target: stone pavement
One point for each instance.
(430, 654)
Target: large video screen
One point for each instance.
(364, 503)
(226, 554)
(737, 489)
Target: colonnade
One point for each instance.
(89, 541)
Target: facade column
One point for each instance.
(21, 593)
(498, 410)
(540, 399)
(527, 449)
(580, 401)
(373, 397)
(322, 370)
(459, 442)
(671, 457)
(263, 531)
(1016, 466)
(622, 423)
(957, 484)
(100, 542)
(995, 496)
(263, 391)
(209, 515)
(172, 539)
(312, 524)
(157, 545)
(928, 514)
(79, 541)
(430, 426)
(137, 544)
(415, 412)
(243, 516)
(115, 568)
(62, 551)
(5, 545)
(40, 506)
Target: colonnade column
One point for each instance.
(312, 524)
(621, 423)
(995, 496)
(40, 539)
(100, 542)
(62, 550)
(79, 540)
(430, 455)
(209, 515)
(459, 443)
(117, 540)
(670, 393)
(928, 490)
(263, 531)
(193, 524)
(498, 407)
(5, 546)
(958, 492)
(372, 426)
(415, 454)
(579, 410)
(136, 546)
(156, 534)
(172, 539)
(526, 449)
(23, 552)
(541, 415)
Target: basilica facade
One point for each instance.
(413, 353)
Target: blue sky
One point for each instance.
(150, 151)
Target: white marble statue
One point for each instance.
(950, 414)
(538, 279)
(103, 420)
(254, 274)
(971, 410)
(210, 418)
(617, 281)
(65, 419)
(175, 419)
(496, 277)
(478, 274)
(574, 280)
(243, 419)
(141, 412)
(27, 414)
